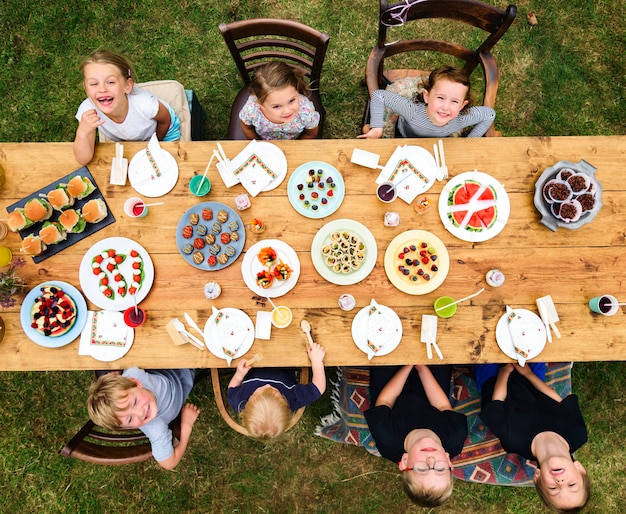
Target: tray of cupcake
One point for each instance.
(568, 195)
(59, 214)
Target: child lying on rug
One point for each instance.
(532, 420)
(266, 398)
(413, 424)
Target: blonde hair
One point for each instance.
(419, 495)
(547, 499)
(109, 57)
(274, 76)
(266, 415)
(105, 395)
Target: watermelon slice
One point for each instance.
(480, 217)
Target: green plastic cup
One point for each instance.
(194, 185)
(441, 309)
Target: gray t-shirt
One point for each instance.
(170, 388)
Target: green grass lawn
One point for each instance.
(564, 76)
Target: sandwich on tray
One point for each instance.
(17, 220)
(33, 245)
(94, 211)
(37, 209)
(52, 233)
(80, 187)
(60, 199)
(72, 221)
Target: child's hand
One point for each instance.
(90, 120)
(242, 368)
(374, 133)
(525, 371)
(316, 353)
(507, 369)
(189, 414)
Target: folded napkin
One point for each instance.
(397, 168)
(520, 334)
(380, 329)
(103, 329)
(154, 154)
(250, 169)
(231, 333)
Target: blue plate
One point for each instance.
(298, 186)
(54, 342)
(215, 207)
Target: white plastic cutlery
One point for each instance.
(442, 156)
(438, 162)
(193, 324)
(178, 325)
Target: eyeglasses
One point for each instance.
(439, 467)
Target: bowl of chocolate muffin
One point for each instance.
(568, 195)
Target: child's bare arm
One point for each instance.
(85, 140)
(500, 390)
(539, 384)
(163, 120)
(373, 133)
(437, 397)
(316, 354)
(393, 388)
(248, 130)
(309, 133)
(188, 417)
(240, 373)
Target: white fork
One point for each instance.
(438, 162)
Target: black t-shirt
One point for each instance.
(527, 412)
(389, 427)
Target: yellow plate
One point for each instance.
(404, 282)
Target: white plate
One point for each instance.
(359, 330)
(535, 344)
(210, 334)
(91, 284)
(332, 193)
(500, 203)
(250, 266)
(322, 238)
(74, 332)
(109, 353)
(410, 159)
(140, 171)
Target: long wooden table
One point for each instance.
(570, 265)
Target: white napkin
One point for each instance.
(103, 329)
(227, 174)
(157, 165)
(231, 333)
(250, 169)
(429, 332)
(520, 335)
(396, 169)
(380, 329)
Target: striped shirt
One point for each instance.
(414, 122)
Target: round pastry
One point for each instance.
(187, 249)
(264, 279)
(194, 218)
(216, 229)
(187, 231)
(225, 238)
(212, 260)
(222, 216)
(207, 214)
(233, 225)
(198, 243)
(210, 238)
(230, 251)
(234, 236)
(198, 257)
(212, 290)
(267, 256)
(222, 258)
(201, 230)
(215, 249)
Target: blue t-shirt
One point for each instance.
(170, 388)
(298, 395)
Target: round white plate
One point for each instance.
(359, 330)
(74, 332)
(412, 159)
(90, 283)
(210, 334)
(140, 170)
(500, 203)
(250, 266)
(215, 207)
(298, 180)
(275, 159)
(322, 238)
(404, 283)
(112, 353)
(535, 344)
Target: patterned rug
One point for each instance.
(483, 460)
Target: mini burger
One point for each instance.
(33, 245)
(17, 220)
(94, 211)
(80, 187)
(52, 233)
(37, 209)
(59, 199)
(72, 221)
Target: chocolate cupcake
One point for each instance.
(570, 211)
(579, 182)
(560, 191)
(587, 201)
(564, 174)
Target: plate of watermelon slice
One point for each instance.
(474, 206)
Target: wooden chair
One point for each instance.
(491, 21)
(255, 42)
(173, 93)
(230, 417)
